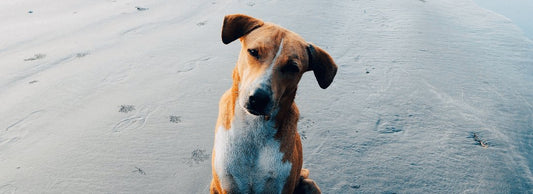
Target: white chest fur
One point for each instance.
(248, 157)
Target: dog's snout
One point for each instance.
(258, 102)
(259, 99)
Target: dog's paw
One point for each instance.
(304, 173)
(307, 186)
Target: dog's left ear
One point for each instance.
(238, 25)
(322, 65)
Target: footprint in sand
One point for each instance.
(35, 57)
(197, 156)
(175, 119)
(141, 8)
(202, 23)
(190, 65)
(130, 123)
(82, 54)
(134, 122)
(19, 129)
(126, 108)
(392, 123)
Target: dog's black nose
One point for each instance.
(258, 102)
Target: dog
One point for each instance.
(257, 148)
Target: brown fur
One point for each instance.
(265, 38)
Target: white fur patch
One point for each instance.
(248, 158)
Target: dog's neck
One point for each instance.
(287, 110)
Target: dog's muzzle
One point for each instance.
(259, 102)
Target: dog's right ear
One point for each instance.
(322, 65)
(238, 25)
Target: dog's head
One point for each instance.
(271, 62)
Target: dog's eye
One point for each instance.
(291, 67)
(253, 52)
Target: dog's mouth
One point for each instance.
(257, 110)
(256, 113)
(263, 114)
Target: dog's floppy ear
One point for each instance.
(238, 25)
(322, 65)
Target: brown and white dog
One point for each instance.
(257, 147)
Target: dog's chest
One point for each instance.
(248, 157)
